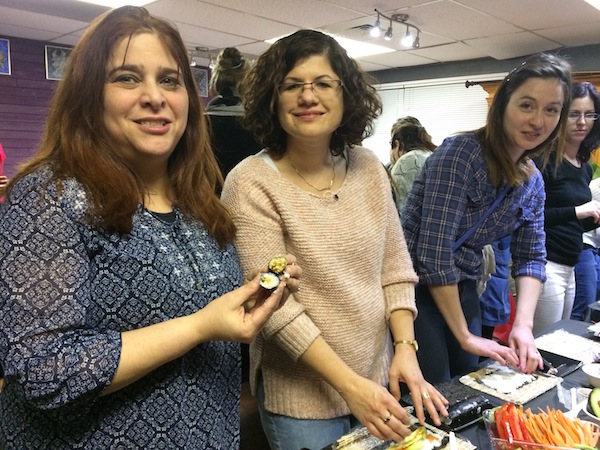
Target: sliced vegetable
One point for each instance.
(549, 427)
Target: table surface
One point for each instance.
(477, 433)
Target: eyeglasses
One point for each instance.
(319, 87)
(575, 115)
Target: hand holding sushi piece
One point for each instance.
(271, 279)
(278, 269)
(240, 314)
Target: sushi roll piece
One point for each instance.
(269, 280)
(277, 265)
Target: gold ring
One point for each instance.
(425, 395)
(388, 419)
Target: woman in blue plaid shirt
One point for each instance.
(458, 183)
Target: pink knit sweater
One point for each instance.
(356, 271)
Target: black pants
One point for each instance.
(440, 355)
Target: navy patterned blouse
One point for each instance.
(67, 291)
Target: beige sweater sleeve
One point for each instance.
(260, 237)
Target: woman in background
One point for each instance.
(413, 145)
(569, 209)
(121, 299)
(394, 147)
(230, 141)
(464, 176)
(325, 358)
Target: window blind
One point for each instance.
(443, 109)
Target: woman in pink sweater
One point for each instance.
(325, 358)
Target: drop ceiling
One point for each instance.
(451, 30)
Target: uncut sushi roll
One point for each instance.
(269, 280)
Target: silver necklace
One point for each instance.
(326, 190)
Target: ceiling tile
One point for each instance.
(536, 14)
(451, 30)
(512, 46)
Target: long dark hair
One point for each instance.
(259, 90)
(77, 144)
(592, 140)
(492, 136)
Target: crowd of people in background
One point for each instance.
(132, 244)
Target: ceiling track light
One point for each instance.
(409, 39)
(376, 29)
(389, 34)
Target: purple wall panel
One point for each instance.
(24, 99)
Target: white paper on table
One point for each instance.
(569, 345)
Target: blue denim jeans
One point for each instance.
(288, 433)
(586, 283)
(440, 355)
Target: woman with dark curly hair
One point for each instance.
(325, 358)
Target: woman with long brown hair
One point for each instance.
(120, 286)
(476, 188)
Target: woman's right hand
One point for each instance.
(489, 348)
(240, 314)
(589, 209)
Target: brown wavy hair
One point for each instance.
(492, 136)
(412, 136)
(259, 91)
(77, 144)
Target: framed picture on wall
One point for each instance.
(201, 77)
(56, 60)
(4, 57)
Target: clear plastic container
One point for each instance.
(503, 444)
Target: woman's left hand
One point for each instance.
(405, 368)
(522, 342)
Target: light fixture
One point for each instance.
(417, 41)
(376, 29)
(211, 63)
(594, 3)
(408, 40)
(389, 34)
